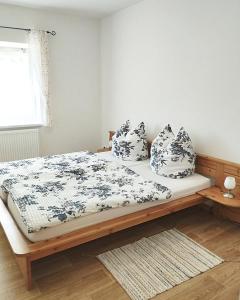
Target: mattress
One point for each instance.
(179, 187)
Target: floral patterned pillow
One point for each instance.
(130, 144)
(158, 147)
(172, 156)
(123, 130)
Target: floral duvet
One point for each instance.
(57, 189)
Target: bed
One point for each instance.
(32, 246)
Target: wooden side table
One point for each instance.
(226, 208)
(215, 194)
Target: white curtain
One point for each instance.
(38, 62)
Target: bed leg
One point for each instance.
(25, 266)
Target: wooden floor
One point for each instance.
(77, 274)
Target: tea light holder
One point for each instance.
(229, 184)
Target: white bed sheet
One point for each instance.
(108, 156)
(180, 188)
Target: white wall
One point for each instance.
(74, 75)
(178, 62)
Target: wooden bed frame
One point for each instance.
(26, 252)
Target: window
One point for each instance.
(18, 105)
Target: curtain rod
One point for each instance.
(28, 29)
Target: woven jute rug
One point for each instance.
(155, 264)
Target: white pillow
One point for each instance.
(130, 144)
(158, 146)
(172, 156)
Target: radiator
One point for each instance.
(19, 144)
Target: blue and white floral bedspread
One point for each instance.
(64, 187)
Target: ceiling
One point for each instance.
(94, 8)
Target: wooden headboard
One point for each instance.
(213, 167)
(218, 169)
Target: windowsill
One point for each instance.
(19, 127)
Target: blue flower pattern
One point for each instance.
(171, 156)
(130, 144)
